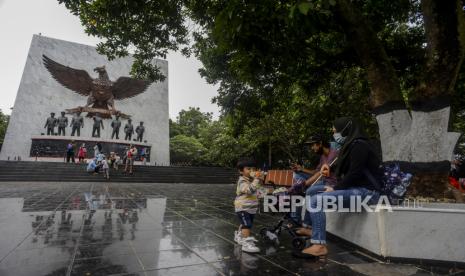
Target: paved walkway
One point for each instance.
(149, 229)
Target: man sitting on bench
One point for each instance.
(321, 146)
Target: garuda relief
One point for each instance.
(101, 92)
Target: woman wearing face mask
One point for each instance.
(356, 160)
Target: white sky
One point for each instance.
(20, 19)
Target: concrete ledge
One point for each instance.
(433, 232)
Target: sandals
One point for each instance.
(302, 255)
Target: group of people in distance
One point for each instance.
(353, 157)
(101, 162)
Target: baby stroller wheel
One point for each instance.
(298, 243)
(268, 235)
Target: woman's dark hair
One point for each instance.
(246, 162)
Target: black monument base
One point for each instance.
(55, 146)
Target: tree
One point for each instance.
(192, 120)
(408, 54)
(186, 150)
(3, 126)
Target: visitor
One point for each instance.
(82, 153)
(125, 156)
(106, 168)
(117, 161)
(96, 150)
(92, 166)
(131, 156)
(321, 146)
(142, 156)
(246, 204)
(356, 160)
(70, 152)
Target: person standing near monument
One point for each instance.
(70, 152)
(82, 153)
(131, 156)
(140, 129)
(62, 124)
(50, 124)
(115, 124)
(77, 123)
(98, 122)
(129, 130)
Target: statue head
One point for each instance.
(100, 69)
(129, 120)
(52, 114)
(62, 113)
(141, 123)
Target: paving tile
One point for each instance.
(152, 229)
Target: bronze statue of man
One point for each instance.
(98, 122)
(140, 129)
(77, 123)
(115, 124)
(50, 124)
(62, 124)
(129, 130)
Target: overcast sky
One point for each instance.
(20, 19)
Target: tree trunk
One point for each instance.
(419, 140)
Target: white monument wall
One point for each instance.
(39, 94)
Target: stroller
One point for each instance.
(287, 223)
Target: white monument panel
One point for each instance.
(39, 94)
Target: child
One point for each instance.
(106, 167)
(246, 204)
(82, 153)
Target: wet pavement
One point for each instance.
(150, 229)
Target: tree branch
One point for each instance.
(385, 86)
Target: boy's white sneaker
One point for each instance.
(248, 245)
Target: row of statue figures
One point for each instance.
(77, 122)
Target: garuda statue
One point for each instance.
(101, 92)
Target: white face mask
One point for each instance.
(339, 138)
(338, 135)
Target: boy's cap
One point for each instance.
(317, 138)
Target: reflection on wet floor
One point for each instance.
(149, 229)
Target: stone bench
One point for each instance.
(432, 232)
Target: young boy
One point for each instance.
(246, 204)
(106, 167)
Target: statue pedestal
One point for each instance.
(45, 146)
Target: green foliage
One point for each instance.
(192, 120)
(285, 69)
(150, 28)
(185, 149)
(4, 119)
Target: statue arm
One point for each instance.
(101, 123)
(46, 124)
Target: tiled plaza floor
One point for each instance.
(149, 229)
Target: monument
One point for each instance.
(97, 97)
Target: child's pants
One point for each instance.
(106, 173)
